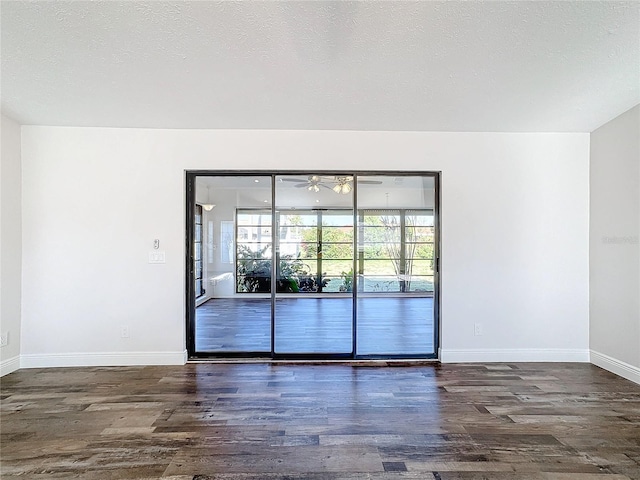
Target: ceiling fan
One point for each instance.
(339, 183)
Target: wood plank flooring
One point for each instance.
(320, 422)
(386, 325)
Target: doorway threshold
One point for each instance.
(358, 362)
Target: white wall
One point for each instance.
(514, 234)
(10, 244)
(615, 246)
(223, 285)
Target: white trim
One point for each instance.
(473, 355)
(616, 366)
(9, 365)
(204, 298)
(102, 359)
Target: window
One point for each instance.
(395, 251)
(419, 251)
(316, 249)
(253, 251)
(226, 241)
(197, 248)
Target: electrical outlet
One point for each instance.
(124, 332)
(4, 339)
(477, 329)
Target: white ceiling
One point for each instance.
(431, 66)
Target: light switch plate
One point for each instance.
(156, 257)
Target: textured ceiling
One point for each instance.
(434, 66)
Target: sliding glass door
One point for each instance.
(314, 238)
(313, 265)
(233, 313)
(396, 266)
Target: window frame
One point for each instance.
(191, 175)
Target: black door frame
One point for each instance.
(190, 308)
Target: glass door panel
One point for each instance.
(234, 314)
(314, 256)
(395, 311)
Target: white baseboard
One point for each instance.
(204, 299)
(514, 355)
(616, 366)
(9, 365)
(102, 359)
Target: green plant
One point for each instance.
(254, 273)
(347, 281)
(254, 270)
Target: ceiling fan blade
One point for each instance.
(293, 180)
(302, 185)
(370, 182)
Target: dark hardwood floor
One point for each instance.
(321, 422)
(386, 325)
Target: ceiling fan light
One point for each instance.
(337, 188)
(208, 206)
(346, 188)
